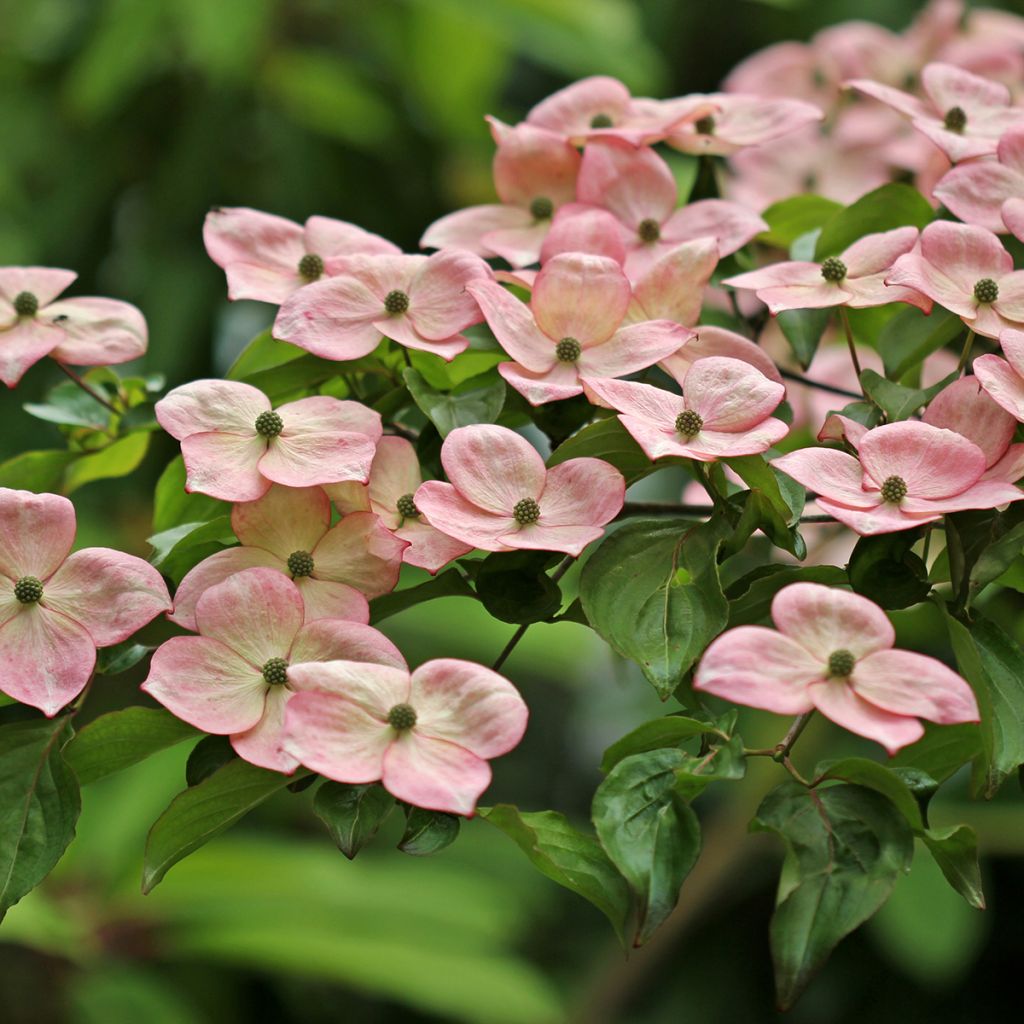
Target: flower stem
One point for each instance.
(807, 382)
(966, 353)
(845, 317)
(92, 393)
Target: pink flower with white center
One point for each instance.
(572, 327)
(426, 736)
(976, 191)
(534, 174)
(717, 341)
(336, 568)
(963, 114)
(421, 302)
(56, 608)
(267, 257)
(725, 410)
(966, 270)
(86, 331)
(834, 653)
(394, 478)
(855, 278)
(235, 445)
(234, 678)
(502, 498)
(906, 474)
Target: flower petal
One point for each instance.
(642, 401)
(729, 394)
(330, 238)
(466, 229)
(332, 640)
(882, 518)
(934, 463)
(464, 521)
(561, 381)
(45, 283)
(98, 332)
(434, 774)
(361, 551)
(225, 466)
(837, 701)
(907, 683)
(730, 224)
(513, 325)
(373, 687)
(582, 492)
(965, 408)
(580, 296)
(23, 344)
(333, 318)
(634, 348)
(540, 537)
(673, 287)
(834, 475)
(284, 520)
(205, 406)
(262, 744)
(36, 533)
(429, 548)
(532, 163)
(1002, 383)
(634, 184)
(326, 599)
(439, 304)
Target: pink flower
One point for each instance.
(976, 191)
(234, 679)
(267, 257)
(82, 332)
(724, 410)
(427, 736)
(336, 568)
(56, 608)
(907, 474)
(419, 301)
(834, 652)
(502, 498)
(966, 270)
(1003, 379)
(235, 446)
(854, 278)
(717, 341)
(572, 327)
(534, 174)
(964, 115)
(1013, 216)
(394, 478)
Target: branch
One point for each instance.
(807, 382)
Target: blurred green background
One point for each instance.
(124, 121)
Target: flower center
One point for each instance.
(689, 423)
(600, 121)
(300, 563)
(542, 208)
(955, 119)
(269, 424)
(396, 302)
(28, 590)
(407, 507)
(833, 269)
(841, 662)
(986, 290)
(568, 350)
(26, 304)
(275, 671)
(402, 717)
(705, 125)
(649, 230)
(526, 511)
(311, 267)
(894, 489)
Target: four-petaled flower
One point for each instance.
(979, 190)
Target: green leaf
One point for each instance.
(428, 832)
(178, 549)
(790, 218)
(37, 471)
(652, 591)
(955, 850)
(891, 206)
(39, 804)
(450, 583)
(755, 472)
(198, 814)
(606, 439)
(649, 831)
(264, 352)
(942, 751)
(567, 856)
(750, 597)
(910, 336)
(895, 400)
(846, 847)
(173, 505)
(112, 661)
(477, 400)
(803, 329)
(723, 761)
(116, 460)
(298, 375)
(886, 570)
(515, 587)
(210, 754)
(68, 405)
(119, 739)
(862, 772)
(444, 376)
(670, 731)
(352, 814)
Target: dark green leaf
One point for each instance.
(445, 376)
(178, 549)
(891, 206)
(298, 375)
(477, 400)
(606, 439)
(722, 761)
(862, 772)
(207, 756)
(173, 505)
(884, 569)
(895, 400)
(352, 814)
(670, 731)
(428, 832)
(910, 336)
(790, 218)
(750, 598)
(955, 850)
(942, 751)
(450, 583)
(803, 329)
(515, 587)
(112, 661)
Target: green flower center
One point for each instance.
(601, 121)
(300, 563)
(311, 267)
(26, 304)
(689, 423)
(894, 489)
(833, 269)
(705, 125)
(955, 119)
(840, 663)
(402, 717)
(986, 290)
(526, 511)
(407, 507)
(542, 208)
(649, 230)
(28, 590)
(269, 424)
(396, 302)
(568, 350)
(275, 671)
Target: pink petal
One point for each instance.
(353, 497)
(1002, 383)
(284, 520)
(331, 640)
(874, 290)
(834, 475)
(439, 304)
(23, 344)
(975, 192)
(206, 406)
(45, 283)
(634, 184)
(326, 599)
(580, 296)
(1010, 304)
(1013, 216)
(907, 683)
(561, 381)
(729, 394)
(360, 551)
(746, 121)
(225, 466)
(570, 110)
(965, 407)
(895, 98)
(333, 318)
(329, 238)
(373, 687)
(395, 472)
(521, 245)
(717, 341)
(513, 325)
(673, 288)
(401, 329)
(464, 521)
(580, 492)
(882, 518)
(877, 252)
(643, 401)
(1012, 344)
(466, 229)
(539, 537)
(633, 348)
(581, 228)
(1010, 468)
(262, 744)
(709, 445)
(657, 441)
(98, 332)
(429, 548)
(986, 493)
(837, 700)
(532, 163)
(949, 86)
(36, 533)
(730, 224)
(434, 774)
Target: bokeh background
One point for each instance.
(123, 122)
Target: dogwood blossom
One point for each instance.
(977, 191)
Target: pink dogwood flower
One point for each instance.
(718, 341)
(855, 278)
(394, 478)
(963, 114)
(1013, 216)
(534, 174)
(235, 445)
(724, 410)
(502, 498)
(966, 270)
(266, 257)
(419, 301)
(1003, 379)
(426, 736)
(572, 327)
(906, 474)
(234, 678)
(833, 651)
(336, 568)
(976, 191)
(85, 331)
(56, 608)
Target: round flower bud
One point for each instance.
(955, 119)
(649, 230)
(300, 563)
(542, 208)
(396, 302)
(986, 290)
(705, 125)
(833, 269)
(402, 717)
(689, 423)
(28, 590)
(269, 424)
(311, 267)
(526, 511)
(26, 304)
(840, 663)
(568, 350)
(601, 121)
(894, 489)
(406, 507)
(275, 671)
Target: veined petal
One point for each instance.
(439, 304)
(514, 326)
(334, 640)
(431, 549)
(633, 183)
(259, 251)
(729, 394)
(361, 551)
(36, 533)
(532, 163)
(932, 462)
(371, 686)
(1002, 383)
(582, 492)
(580, 296)
(907, 683)
(491, 466)
(262, 744)
(465, 229)
(835, 476)
(561, 381)
(330, 238)
(206, 406)
(23, 344)
(717, 341)
(965, 408)
(45, 283)
(882, 518)
(225, 466)
(730, 224)
(838, 701)
(643, 401)
(633, 348)
(540, 537)
(464, 521)
(328, 599)
(434, 774)
(284, 520)
(333, 318)
(98, 332)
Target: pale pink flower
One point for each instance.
(966, 270)
(419, 301)
(81, 332)
(394, 478)
(234, 679)
(976, 191)
(718, 341)
(854, 278)
(266, 257)
(725, 410)
(1003, 379)
(336, 568)
(235, 445)
(834, 653)
(906, 474)
(534, 174)
(502, 498)
(1013, 216)
(572, 327)
(56, 608)
(426, 736)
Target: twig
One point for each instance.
(807, 382)
(87, 389)
(844, 316)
